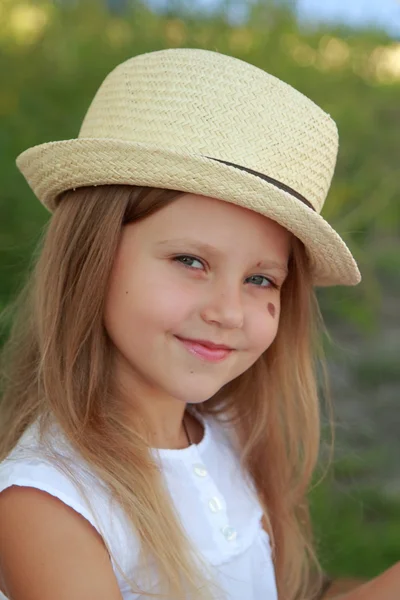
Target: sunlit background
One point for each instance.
(345, 55)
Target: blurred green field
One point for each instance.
(357, 527)
(53, 58)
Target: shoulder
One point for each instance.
(66, 492)
(48, 550)
(28, 465)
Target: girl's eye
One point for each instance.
(186, 260)
(269, 283)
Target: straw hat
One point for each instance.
(210, 124)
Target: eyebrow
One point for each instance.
(213, 251)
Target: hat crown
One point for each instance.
(210, 104)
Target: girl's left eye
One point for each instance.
(189, 258)
(181, 258)
(270, 283)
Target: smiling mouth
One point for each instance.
(204, 352)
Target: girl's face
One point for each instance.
(198, 269)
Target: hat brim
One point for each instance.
(54, 167)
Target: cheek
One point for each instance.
(169, 309)
(264, 326)
(146, 303)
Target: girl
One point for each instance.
(159, 422)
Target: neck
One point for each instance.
(186, 429)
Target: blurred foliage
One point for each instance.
(357, 530)
(373, 371)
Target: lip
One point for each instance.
(211, 353)
(207, 344)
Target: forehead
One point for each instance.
(210, 217)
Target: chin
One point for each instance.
(195, 393)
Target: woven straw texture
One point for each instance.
(173, 119)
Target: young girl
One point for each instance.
(159, 423)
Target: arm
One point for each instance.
(384, 587)
(47, 550)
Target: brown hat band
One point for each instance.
(274, 182)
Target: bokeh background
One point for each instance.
(346, 57)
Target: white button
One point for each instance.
(214, 504)
(200, 470)
(229, 533)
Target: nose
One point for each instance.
(224, 306)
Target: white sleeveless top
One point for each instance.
(217, 506)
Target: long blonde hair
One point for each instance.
(56, 364)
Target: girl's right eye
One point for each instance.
(188, 259)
